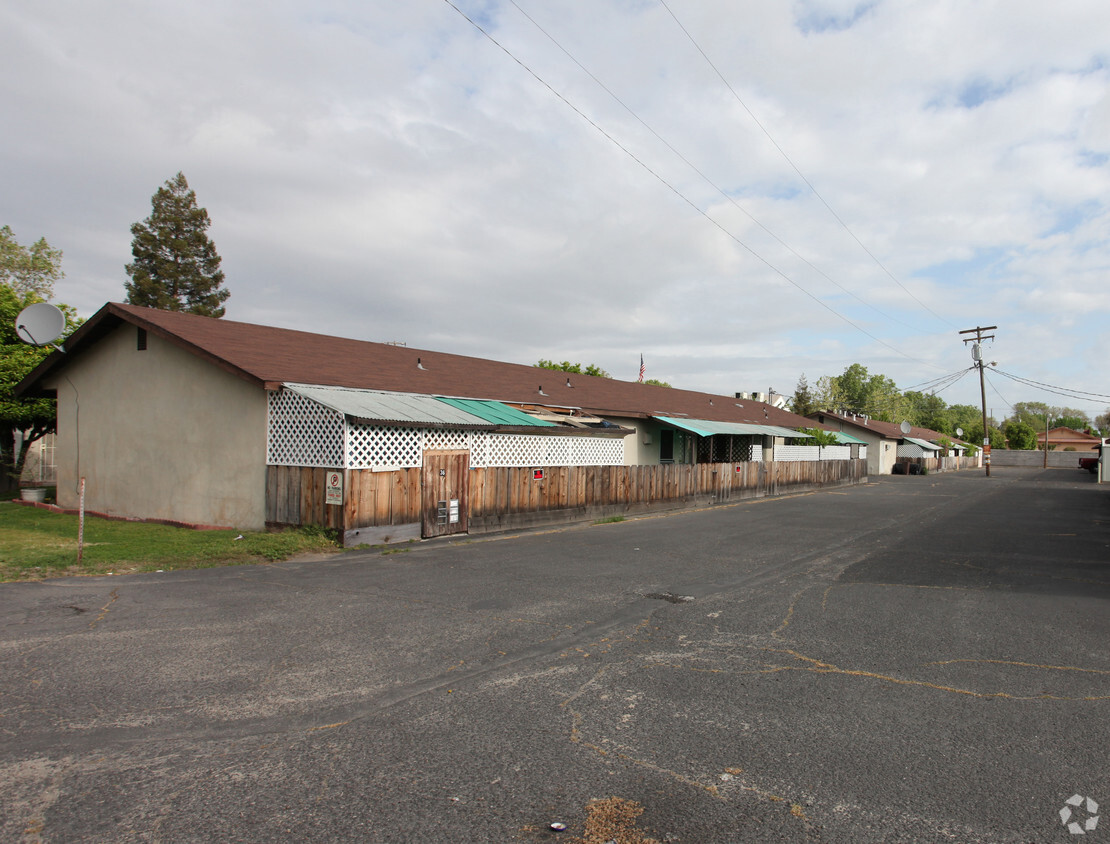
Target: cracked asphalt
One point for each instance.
(922, 658)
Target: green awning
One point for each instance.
(708, 428)
(496, 413)
(848, 439)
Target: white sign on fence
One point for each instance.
(333, 491)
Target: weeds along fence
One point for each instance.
(389, 506)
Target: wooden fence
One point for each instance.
(388, 506)
(940, 464)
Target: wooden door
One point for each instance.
(443, 483)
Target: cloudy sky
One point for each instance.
(741, 191)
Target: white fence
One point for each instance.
(813, 452)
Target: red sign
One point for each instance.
(537, 474)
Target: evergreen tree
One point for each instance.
(176, 265)
(804, 402)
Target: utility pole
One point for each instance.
(977, 356)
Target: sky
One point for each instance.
(741, 192)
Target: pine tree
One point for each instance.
(804, 402)
(176, 265)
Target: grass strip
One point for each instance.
(37, 543)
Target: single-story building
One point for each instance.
(1065, 439)
(209, 421)
(888, 443)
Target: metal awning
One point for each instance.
(497, 413)
(380, 406)
(708, 428)
(923, 443)
(848, 439)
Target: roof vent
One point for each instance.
(419, 365)
(542, 393)
(569, 384)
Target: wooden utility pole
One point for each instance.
(977, 356)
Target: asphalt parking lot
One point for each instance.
(922, 658)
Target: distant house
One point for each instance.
(887, 443)
(1062, 439)
(186, 418)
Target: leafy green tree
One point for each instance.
(804, 401)
(176, 265)
(1020, 435)
(656, 382)
(22, 283)
(567, 366)
(1076, 423)
(857, 391)
(1102, 423)
(29, 269)
(821, 436)
(965, 417)
(928, 411)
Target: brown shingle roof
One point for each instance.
(269, 356)
(890, 430)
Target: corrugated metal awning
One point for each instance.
(848, 439)
(708, 428)
(923, 443)
(380, 406)
(497, 413)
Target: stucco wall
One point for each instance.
(160, 434)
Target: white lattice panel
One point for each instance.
(445, 440)
(524, 450)
(836, 452)
(863, 452)
(911, 450)
(369, 446)
(596, 451)
(796, 452)
(302, 432)
(757, 453)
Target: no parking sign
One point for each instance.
(333, 491)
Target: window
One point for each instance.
(666, 446)
(140, 340)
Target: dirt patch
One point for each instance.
(613, 819)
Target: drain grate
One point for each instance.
(670, 596)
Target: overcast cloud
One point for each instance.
(386, 171)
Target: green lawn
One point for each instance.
(36, 543)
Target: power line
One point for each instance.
(925, 386)
(696, 169)
(801, 175)
(1004, 401)
(1078, 395)
(676, 191)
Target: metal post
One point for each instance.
(81, 522)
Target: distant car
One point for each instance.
(1089, 463)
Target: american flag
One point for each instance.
(641, 378)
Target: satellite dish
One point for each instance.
(959, 432)
(40, 324)
(905, 428)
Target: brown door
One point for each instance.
(443, 484)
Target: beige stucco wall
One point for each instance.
(160, 434)
(882, 453)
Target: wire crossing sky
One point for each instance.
(380, 170)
